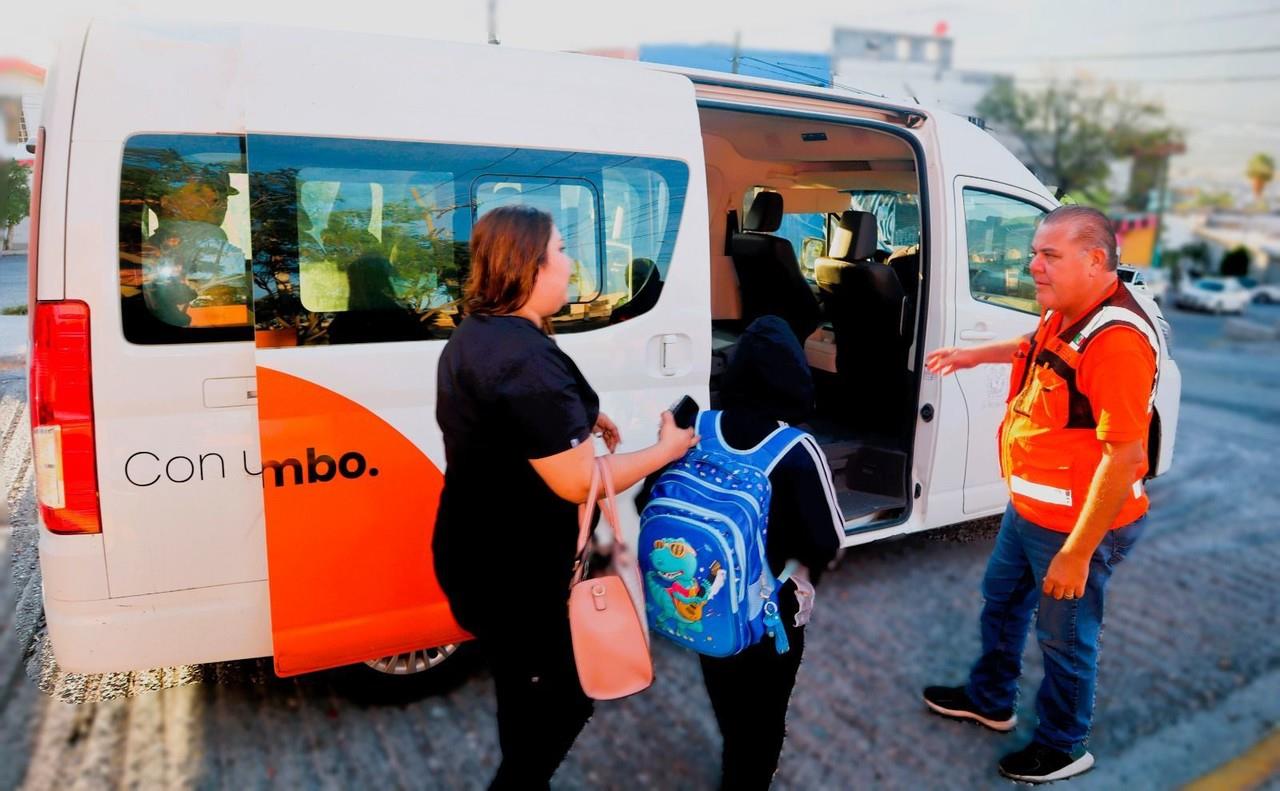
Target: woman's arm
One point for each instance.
(568, 473)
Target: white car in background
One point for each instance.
(1265, 293)
(1215, 294)
(1155, 282)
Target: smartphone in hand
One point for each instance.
(685, 411)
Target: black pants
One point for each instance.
(750, 692)
(541, 706)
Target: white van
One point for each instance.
(251, 247)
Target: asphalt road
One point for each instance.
(1190, 670)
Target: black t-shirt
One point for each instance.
(504, 542)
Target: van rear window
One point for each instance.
(184, 239)
(358, 241)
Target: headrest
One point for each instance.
(854, 239)
(766, 213)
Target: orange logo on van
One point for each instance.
(349, 561)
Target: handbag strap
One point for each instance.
(609, 505)
(601, 474)
(588, 509)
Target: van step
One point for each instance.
(857, 505)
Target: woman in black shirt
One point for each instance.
(518, 418)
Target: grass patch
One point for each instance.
(14, 310)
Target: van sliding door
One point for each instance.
(369, 160)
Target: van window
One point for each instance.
(806, 231)
(897, 216)
(363, 240)
(573, 205)
(184, 239)
(999, 230)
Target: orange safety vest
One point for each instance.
(1049, 448)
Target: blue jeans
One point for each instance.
(1067, 629)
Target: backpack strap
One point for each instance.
(708, 428)
(767, 454)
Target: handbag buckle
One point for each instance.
(598, 597)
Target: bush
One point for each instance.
(14, 310)
(1235, 263)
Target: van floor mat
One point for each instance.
(856, 505)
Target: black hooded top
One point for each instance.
(767, 381)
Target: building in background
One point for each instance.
(21, 85)
(1258, 234)
(909, 65)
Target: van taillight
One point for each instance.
(62, 418)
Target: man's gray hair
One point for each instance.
(1090, 227)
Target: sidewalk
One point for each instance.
(13, 337)
(13, 291)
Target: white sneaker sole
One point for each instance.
(1079, 766)
(1002, 726)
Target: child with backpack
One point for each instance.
(733, 539)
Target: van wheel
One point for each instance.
(405, 678)
(415, 662)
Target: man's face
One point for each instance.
(1064, 270)
(194, 201)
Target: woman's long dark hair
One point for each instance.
(508, 246)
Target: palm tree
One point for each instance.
(1260, 170)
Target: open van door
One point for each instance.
(370, 158)
(995, 298)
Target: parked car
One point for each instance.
(1155, 282)
(1264, 293)
(1215, 294)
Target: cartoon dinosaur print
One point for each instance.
(675, 592)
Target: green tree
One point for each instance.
(15, 197)
(1235, 263)
(1260, 170)
(1071, 131)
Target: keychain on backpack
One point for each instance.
(775, 629)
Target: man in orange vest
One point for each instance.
(1073, 452)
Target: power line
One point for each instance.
(1216, 17)
(1186, 53)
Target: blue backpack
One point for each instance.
(708, 585)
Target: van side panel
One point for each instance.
(478, 115)
(181, 501)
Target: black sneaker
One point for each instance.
(955, 702)
(1037, 763)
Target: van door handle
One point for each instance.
(674, 358)
(231, 391)
(977, 335)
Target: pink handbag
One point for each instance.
(610, 638)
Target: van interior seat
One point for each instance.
(864, 301)
(906, 265)
(768, 272)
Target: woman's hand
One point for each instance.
(675, 441)
(804, 595)
(607, 430)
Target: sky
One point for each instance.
(1227, 103)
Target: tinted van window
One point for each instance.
(184, 239)
(366, 240)
(999, 230)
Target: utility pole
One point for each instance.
(493, 21)
(737, 49)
